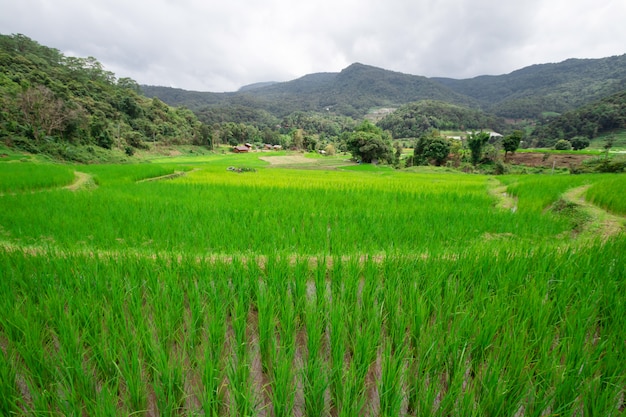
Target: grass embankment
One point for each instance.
(300, 292)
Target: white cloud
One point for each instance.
(219, 46)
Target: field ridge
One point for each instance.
(82, 181)
(600, 222)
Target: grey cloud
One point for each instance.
(219, 46)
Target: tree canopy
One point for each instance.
(511, 142)
(475, 142)
(368, 143)
(431, 147)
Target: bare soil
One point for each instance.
(82, 180)
(547, 160)
(286, 160)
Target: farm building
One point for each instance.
(241, 149)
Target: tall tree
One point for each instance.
(475, 142)
(431, 147)
(511, 142)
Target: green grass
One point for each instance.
(619, 141)
(313, 292)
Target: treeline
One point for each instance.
(415, 119)
(588, 122)
(53, 104)
(299, 130)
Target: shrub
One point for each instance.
(563, 145)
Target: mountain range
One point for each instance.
(525, 93)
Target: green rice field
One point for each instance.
(183, 287)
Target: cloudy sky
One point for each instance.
(221, 45)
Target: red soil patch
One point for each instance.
(547, 160)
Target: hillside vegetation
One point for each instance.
(73, 109)
(590, 121)
(351, 92)
(415, 119)
(67, 106)
(522, 94)
(556, 87)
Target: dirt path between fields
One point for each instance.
(504, 200)
(82, 181)
(601, 222)
(171, 176)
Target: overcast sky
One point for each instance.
(221, 45)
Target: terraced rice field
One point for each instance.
(345, 292)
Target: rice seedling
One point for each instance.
(391, 385)
(357, 293)
(315, 374)
(9, 393)
(22, 177)
(603, 193)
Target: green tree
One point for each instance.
(398, 154)
(431, 147)
(99, 133)
(203, 135)
(297, 137)
(511, 142)
(579, 142)
(475, 142)
(368, 143)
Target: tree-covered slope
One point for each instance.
(589, 121)
(556, 87)
(414, 119)
(51, 103)
(525, 93)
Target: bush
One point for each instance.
(607, 165)
(579, 142)
(563, 145)
(499, 168)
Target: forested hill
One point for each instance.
(525, 93)
(557, 87)
(351, 92)
(71, 108)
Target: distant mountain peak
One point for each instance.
(255, 86)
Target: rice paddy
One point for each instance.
(285, 292)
